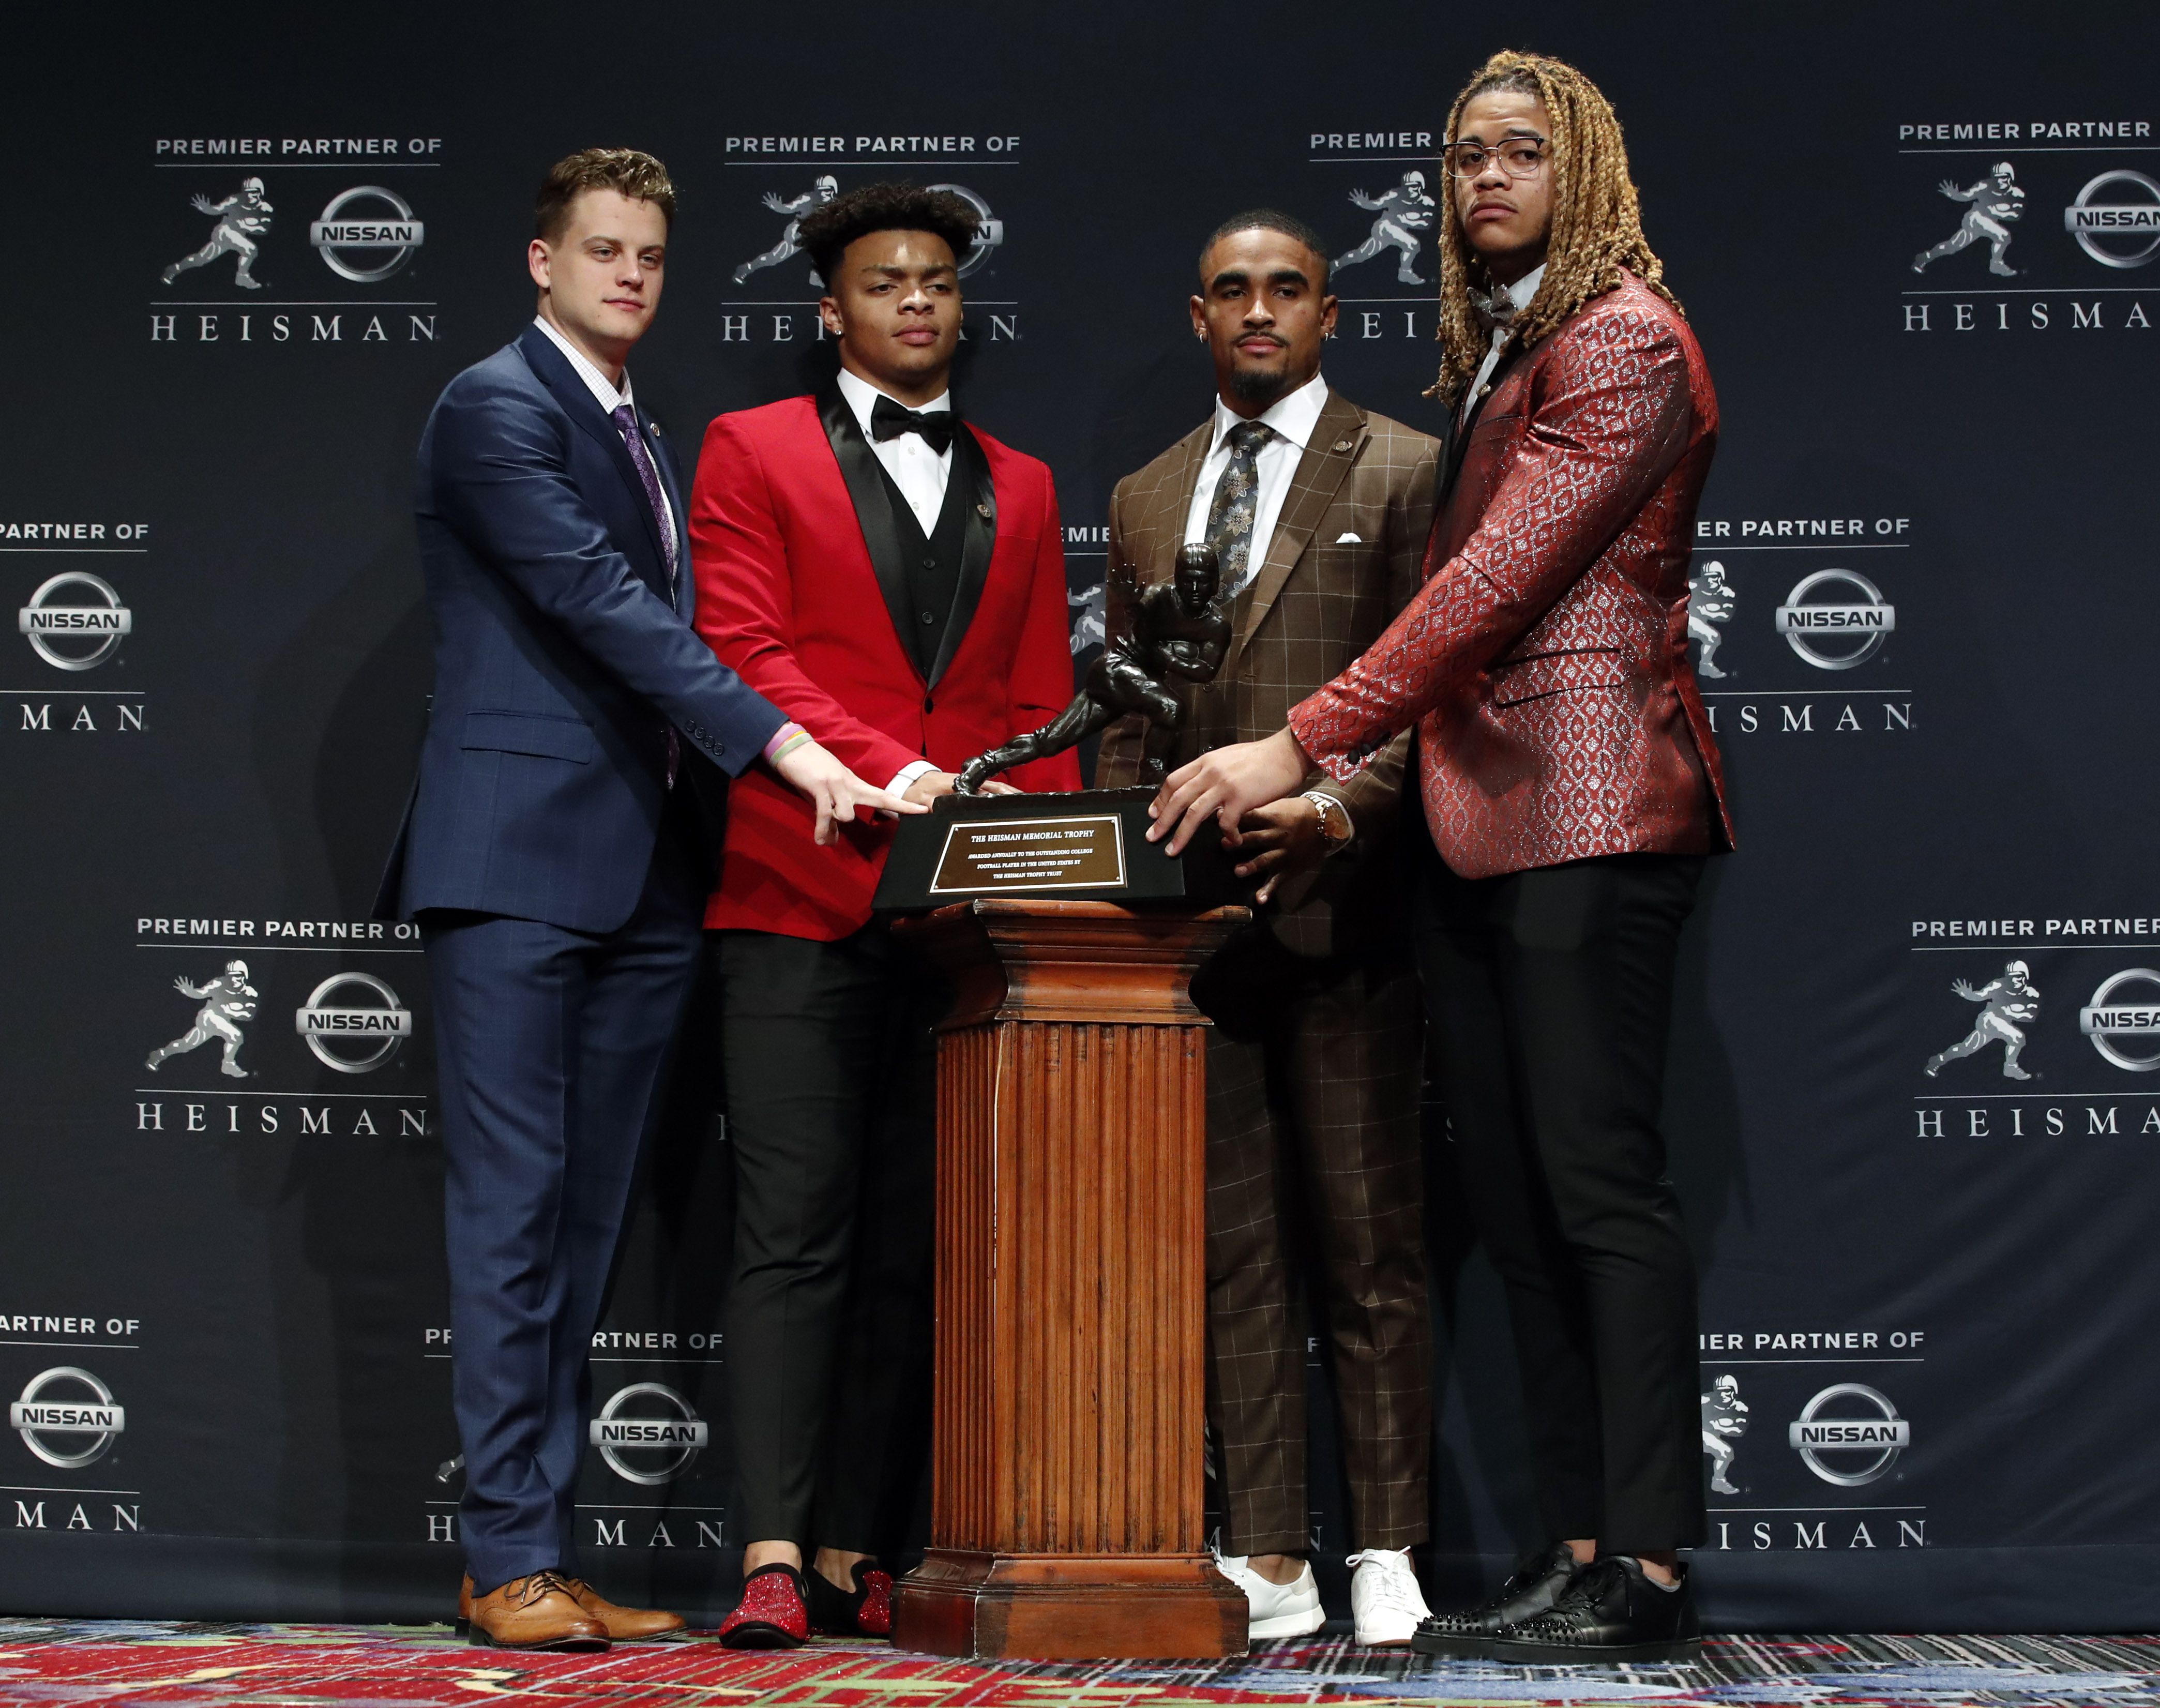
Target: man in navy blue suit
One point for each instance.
(555, 861)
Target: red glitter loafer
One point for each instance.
(773, 1613)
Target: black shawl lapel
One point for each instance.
(859, 468)
(577, 402)
(971, 472)
(1456, 440)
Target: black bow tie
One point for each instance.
(889, 420)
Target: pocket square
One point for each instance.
(1348, 540)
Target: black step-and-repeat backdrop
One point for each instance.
(1914, 1114)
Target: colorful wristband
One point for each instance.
(788, 736)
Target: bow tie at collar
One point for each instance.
(889, 420)
(1495, 313)
(1498, 310)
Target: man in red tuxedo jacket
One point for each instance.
(893, 580)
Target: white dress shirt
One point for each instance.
(920, 473)
(1293, 418)
(1519, 293)
(917, 470)
(609, 399)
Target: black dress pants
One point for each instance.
(1550, 997)
(831, 1105)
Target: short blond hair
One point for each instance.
(626, 171)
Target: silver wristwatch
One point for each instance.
(1334, 820)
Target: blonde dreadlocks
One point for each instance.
(1596, 221)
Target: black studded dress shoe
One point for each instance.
(1611, 1612)
(1538, 1582)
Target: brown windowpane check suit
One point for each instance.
(1314, 1064)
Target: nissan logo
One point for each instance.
(375, 1031)
(1880, 1434)
(339, 233)
(648, 1434)
(38, 1416)
(1807, 626)
(54, 627)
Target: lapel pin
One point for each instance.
(1342, 444)
(983, 511)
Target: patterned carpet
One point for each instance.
(144, 1665)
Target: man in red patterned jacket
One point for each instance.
(1571, 789)
(893, 578)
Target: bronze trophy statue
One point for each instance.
(1092, 845)
(1176, 630)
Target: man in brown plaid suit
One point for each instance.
(1318, 511)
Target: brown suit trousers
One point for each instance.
(1314, 1064)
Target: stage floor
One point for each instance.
(182, 1665)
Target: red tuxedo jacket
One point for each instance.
(1544, 663)
(800, 599)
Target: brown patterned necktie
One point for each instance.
(1237, 500)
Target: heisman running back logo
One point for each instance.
(226, 1000)
(825, 190)
(1088, 617)
(242, 218)
(1403, 212)
(990, 230)
(1711, 601)
(2007, 1003)
(1992, 206)
(1724, 1422)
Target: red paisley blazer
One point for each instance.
(1544, 661)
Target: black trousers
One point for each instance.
(1550, 996)
(831, 1104)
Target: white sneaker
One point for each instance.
(1384, 1597)
(1288, 1609)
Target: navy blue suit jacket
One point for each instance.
(560, 657)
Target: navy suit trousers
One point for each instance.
(553, 1044)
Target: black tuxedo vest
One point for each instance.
(933, 564)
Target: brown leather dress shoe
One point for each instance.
(624, 1624)
(535, 1612)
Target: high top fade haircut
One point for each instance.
(1269, 220)
(626, 171)
(1597, 218)
(826, 233)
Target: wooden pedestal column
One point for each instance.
(1071, 1134)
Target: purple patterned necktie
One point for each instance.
(625, 417)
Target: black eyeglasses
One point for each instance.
(1519, 157)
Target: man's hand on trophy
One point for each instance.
(1277, 841)
(837, 792)
(1225, 786)
(932, 784)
